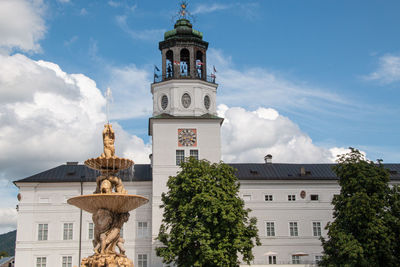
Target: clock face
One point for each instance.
(186, 100)
(187, 137)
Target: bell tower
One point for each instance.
(185, 45)
(183, 87)
(184, 122)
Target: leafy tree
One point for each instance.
(394, 220)
(361, 233)
(205, 222)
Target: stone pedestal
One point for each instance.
(106, 260)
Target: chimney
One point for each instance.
(72, 162)
(302, 171)
(268, 158)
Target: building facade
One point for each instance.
(290, 201)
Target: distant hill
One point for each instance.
(7, 242)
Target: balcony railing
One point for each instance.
(161, 78)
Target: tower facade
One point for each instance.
(184, 121)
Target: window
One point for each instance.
(247, 197)
(142, 229)
(68, 231)
(67, 261)
(316, 228)
(295, 259)
(90, 231)
(270, 228)
(184, 64)
(168, 62)
(291, 197)
(142, 260)
(314, 197)
(194, 153)
(271, 259)
(318, 258)
(293, 229)
(180, 157)
(268, 197)
(41, 262)
(42, 231)
(164, 102)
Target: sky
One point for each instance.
(301, 80)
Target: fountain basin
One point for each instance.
(111, 165)
(118, 203)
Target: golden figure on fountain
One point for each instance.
(107, 182)
(110, 205)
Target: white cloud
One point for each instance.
(147, 35)
(83, 12)
(25, 31)
(8, 219)
(388, 70)
(247, 136)
(254, 87)
(136, 144)
(48, 117)
(248, 10)
(131, 92)
(64, 1)
(71, 41)
(205, 8)
(114, 3)
(125, 4)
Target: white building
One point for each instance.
(290, 201)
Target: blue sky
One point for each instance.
(330, 45)
(302, 80)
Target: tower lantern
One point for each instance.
(183, 51)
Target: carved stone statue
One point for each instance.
(113, 238)
(108, 141)
(102, 220)
(107, 231)
(105, 185)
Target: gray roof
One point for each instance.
(286, 171)
(78, 173)
(245, 171)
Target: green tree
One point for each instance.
(360, 234)
(394, 220)
(205, 222)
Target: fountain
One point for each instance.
(110, 205)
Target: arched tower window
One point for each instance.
(169, 66)
(185, 62)
(199, 64)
